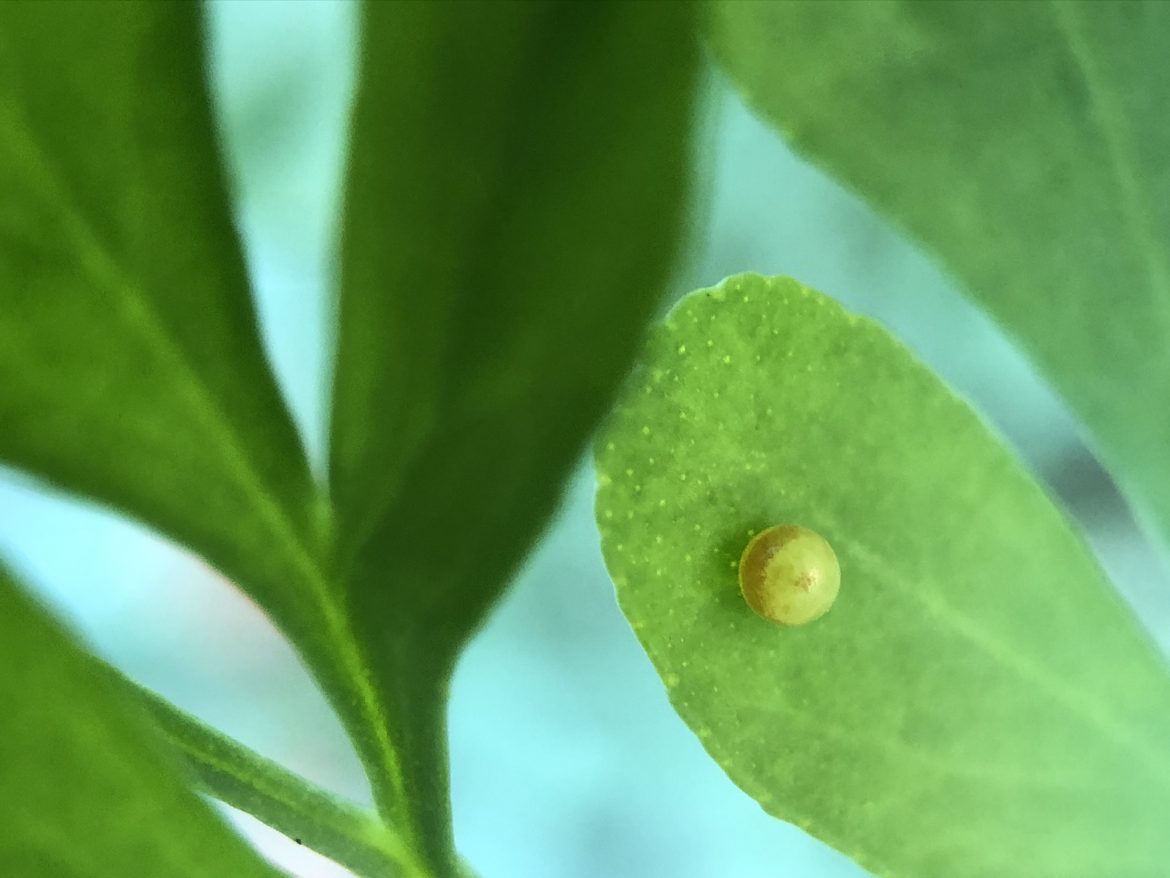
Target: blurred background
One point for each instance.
(567, 759)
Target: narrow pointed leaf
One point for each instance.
(229, 771)
(131, 369)
(514, 202)
(1024, 144)
(85, 790)
(130, 364)
(978, 701)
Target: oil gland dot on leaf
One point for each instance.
(789, 575)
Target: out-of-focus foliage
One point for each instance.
(130, 366)
(517, 189)
(1026, 145)
(131, 369)
(85, 789)
(515, 196)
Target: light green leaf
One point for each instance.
(1026, 145)
(515, 198)
(85, 792)
(978, 702)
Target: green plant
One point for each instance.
(979, 702)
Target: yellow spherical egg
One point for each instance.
(789, 575)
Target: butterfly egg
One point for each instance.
(789, 575)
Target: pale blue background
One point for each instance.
(567, 759)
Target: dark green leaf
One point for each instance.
(231, 772)
(515, 199)
(978, 702)
(131, 369)
(85, 792)
(130, 365)
(1026, 144)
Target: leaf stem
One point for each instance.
(240, 777)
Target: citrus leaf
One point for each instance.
(1026, 146)
(85, 791)
(978, 701)
(514, 202)
(131, 369)
(287, 802)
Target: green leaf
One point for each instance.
(516, 193)
(978, 701)
(87, 793)
(131, 369)
(1026, 145)
(288, 803)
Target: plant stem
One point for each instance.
(227, 770)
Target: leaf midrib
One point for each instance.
(1068, 697)
(1088, 711)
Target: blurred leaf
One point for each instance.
(978, 702)
(130, 365)
(131, 369)
(515, 199)
(85, 792)
(1026, 145)
(224, 768)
